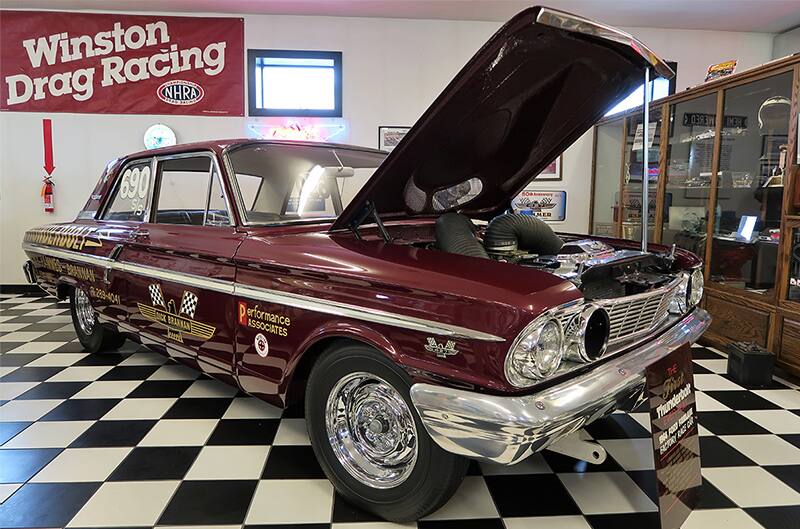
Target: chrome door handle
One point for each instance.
(112, 257)
(141, 234)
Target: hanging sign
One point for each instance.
(676, 443)
(546, 205)
(121, 64)
(638, 137)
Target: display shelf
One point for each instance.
(736, 138)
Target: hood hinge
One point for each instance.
(368, 211)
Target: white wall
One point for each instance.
(393, 69)
(787, 43)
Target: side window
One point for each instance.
(132, 194)
(217, 209)
(188, 188)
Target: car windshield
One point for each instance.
(283, 183)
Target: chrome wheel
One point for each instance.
(371, 430)
(84, 312)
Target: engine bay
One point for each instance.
(599, 270)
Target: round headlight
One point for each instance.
(536, 354)
(680, 297)
(695, 287)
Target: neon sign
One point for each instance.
(311, 129)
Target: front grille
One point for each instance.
(632, 315)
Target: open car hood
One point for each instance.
(533, 89)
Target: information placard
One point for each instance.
(676, 444)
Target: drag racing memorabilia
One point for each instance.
(719, 70)
(547, 205)
(121, 64)
(389, 137)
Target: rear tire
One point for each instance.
(357, 404)
(91, 334)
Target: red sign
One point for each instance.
(121, 64)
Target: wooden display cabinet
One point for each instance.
(723, 171)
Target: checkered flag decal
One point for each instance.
(156, 295)
(188, 304)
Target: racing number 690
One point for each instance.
(134, 186)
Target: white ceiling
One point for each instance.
(769, 16)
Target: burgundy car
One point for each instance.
(419, 321)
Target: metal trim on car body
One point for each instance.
(577, 24)
(275, 296)
(346, 310)
(507, 429)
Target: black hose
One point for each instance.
(514, 231)
(455, 233)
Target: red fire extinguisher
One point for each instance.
(47, 195)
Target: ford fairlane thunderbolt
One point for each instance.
(420, 323)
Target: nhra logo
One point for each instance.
(180, 92)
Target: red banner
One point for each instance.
(121, 64)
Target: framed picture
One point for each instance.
(550, 206)
(389, 137)
(551, 173)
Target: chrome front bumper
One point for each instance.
(509, 429)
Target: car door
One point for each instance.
(182, 264)
(125, 210)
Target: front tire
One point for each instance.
(370, 441)
(92, 336)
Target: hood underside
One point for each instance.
(533, 89)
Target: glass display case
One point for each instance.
(690, 148)
(607, 163)
(718, 168)
(749, 184)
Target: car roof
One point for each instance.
(218, 146)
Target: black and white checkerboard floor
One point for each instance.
(131, 439)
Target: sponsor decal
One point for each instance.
(178, 321)
(70, 237)
(269, 322)
(179, 92)
(442, 351)
(262, 346)
(51, 263)
(104, 295)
